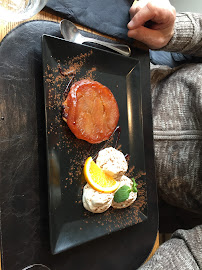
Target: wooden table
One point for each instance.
(44, 15)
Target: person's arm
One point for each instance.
(166, 31)
(183, 251)
(187, 37)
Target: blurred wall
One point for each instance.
(187, 5)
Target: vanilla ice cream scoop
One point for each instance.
(95, 201)
(132, 196)
(112, 162)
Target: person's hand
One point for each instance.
(152, 22)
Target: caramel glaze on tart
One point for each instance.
(90, 111)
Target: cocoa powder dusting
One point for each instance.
(56, 80)
(116, 219)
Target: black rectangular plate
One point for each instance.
(70, 224)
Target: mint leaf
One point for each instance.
(134, 187)
(122, 194)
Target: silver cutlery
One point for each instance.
(71, 33)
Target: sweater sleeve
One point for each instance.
(187, 38)
(183, 251)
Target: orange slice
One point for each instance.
(98, 179)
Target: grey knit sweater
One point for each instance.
(177, 122)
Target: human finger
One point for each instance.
(144, 15)
(152, 38)
(140, 18)
(162, 16)
(136, 6)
